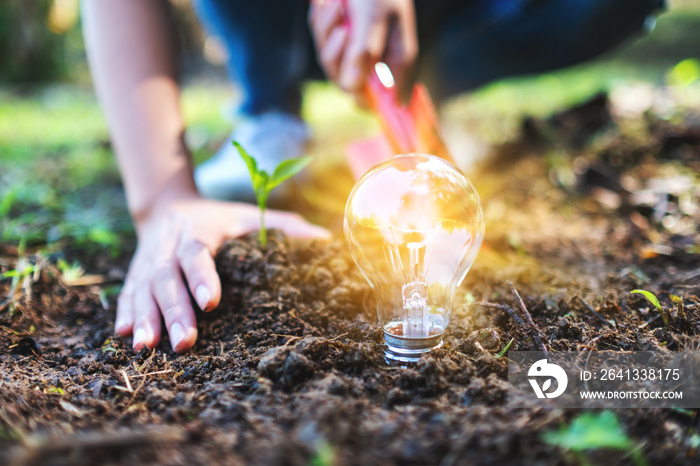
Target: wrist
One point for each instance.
(162, 201)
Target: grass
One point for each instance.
(592, 431)
(59, 180)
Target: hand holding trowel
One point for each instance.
(407, 128)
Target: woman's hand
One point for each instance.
(175, 254)
(381, 30)
(132, 61)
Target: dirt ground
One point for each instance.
(583, 208)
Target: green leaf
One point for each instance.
(249, 161)
(70, 273)
(651, 297)
(286, 170)
(103, 236)
(54, 391)
(505, 350)
(21, 272)
(325, 455)
(685, 73)
(590, 431)
(113, 290)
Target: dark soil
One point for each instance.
(290, 368)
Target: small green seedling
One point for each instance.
(325, 455)
(505, 350)
(70, 273)
(54, 391)
(655, 301)
(264, 183)
(590, 431)
(20, 273)
(21, 276)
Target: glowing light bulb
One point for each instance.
(414, 225)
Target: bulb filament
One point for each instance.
(415, 295)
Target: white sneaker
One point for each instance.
(270, 138)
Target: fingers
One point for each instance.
(324, 17)
(381, 31)
(142, 302)
(330, 34)
(197, 264)
(147, 326)
(248, 220)
(295, 225)
(331, 54)
(137, 313)
(124, 322)
(173, 300)
(365, 47)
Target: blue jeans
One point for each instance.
(463, 43)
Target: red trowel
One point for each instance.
(407, 128)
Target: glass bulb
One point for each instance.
(414, 225)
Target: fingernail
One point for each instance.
(119, 325)
(139, 336)
(177, 333)
(202, 296)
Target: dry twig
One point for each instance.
(649, 321)
(535, 329)
(127, 381)
(339, 336)
(291, 338)
(152, 373)
(593, 311)
(136, 392)
(503, 307)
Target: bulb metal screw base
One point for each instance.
(403, 349)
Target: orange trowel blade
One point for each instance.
(411, 128)
(366, 153)
(426, 123)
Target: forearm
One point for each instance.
(131, 57)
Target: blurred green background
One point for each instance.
(59, 185)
